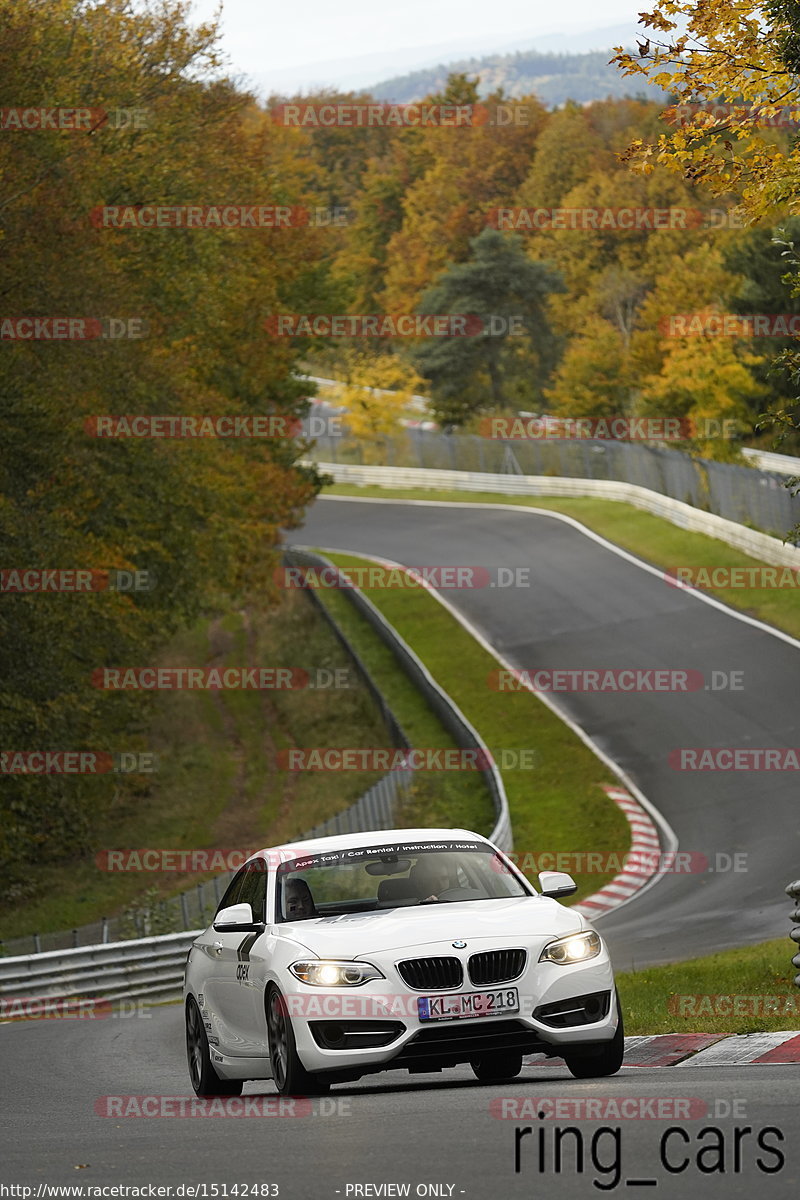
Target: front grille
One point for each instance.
(453, 1042)
(431, 974)
(578, 1010)
(496, 966)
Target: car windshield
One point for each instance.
(401, 875)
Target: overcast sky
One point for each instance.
(300, 45)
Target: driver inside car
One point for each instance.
(298, 903)
(430, 877)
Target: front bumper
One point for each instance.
(377, 1027)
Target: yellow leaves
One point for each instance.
(658, 19)
(593, 377)
(705, 380)
(729, 55)
(376, 393)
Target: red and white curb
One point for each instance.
(645, 849)
(781, 1048)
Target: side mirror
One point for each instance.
(235, 918)
(556, 884)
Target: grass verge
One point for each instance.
(436, 798)
(651, 538)
(677, 997)
(558, 806)
(218, 784)
(747, 990)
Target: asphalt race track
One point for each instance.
(390, 1129)
(442, 1135)
(588, 607)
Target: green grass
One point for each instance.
(559, 806)
(438, 798)
(684, 997)
(651, 538)
(654, 1000)
(217, 784)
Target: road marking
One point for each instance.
(786, 1052)
(751, 1048)
(700, 1050)
(595, 537)
(644, 841)
(634, 794)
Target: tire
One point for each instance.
(205, 1080)
(605, 1059)
(288, 1073)
(493, 1068)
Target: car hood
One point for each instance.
(357, 935)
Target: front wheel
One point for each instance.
(205, 1080)
(290, 1076)
(493, 1068)
(605, 1059)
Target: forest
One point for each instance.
(594, 290)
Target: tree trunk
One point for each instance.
(495, 377)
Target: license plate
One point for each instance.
(468, 1004)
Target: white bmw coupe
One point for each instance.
(409, 949)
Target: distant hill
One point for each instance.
(554, 78)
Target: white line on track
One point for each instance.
(670, 840)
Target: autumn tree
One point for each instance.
(734, 93)
(472, 169)
(732, 66)
(567, 151)
(710, 386)
(376, 392)
(509, 361)
(594, 376)
(202, 517)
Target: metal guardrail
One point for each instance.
(153, 967)
(193, 908)
(685, 516)
(768, 460)
(793, 890)
(463, 732)
(741, 494)
(146, 967)
(294, 557)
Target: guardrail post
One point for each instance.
(184, 911)
(200, 905)
(793, 890)
(74, 939)
(37, 944)
(104, 935)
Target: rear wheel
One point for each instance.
(290, 1076)
(205, 1080)
(492, 1068)
(605, 1059)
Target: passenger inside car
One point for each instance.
(430, 877)
(298, 903)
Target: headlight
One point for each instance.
(578, 947)
(322, 972)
